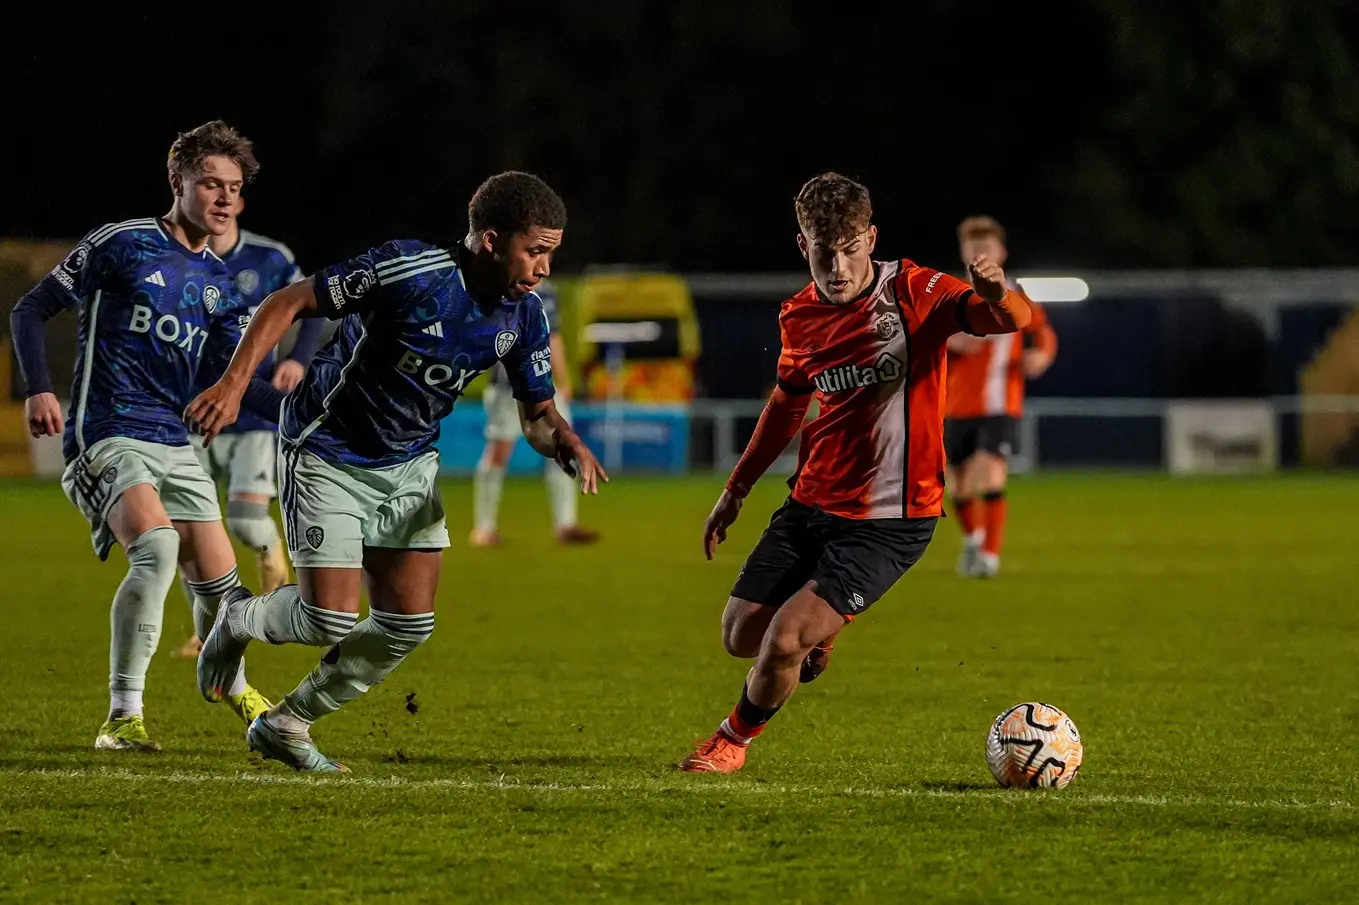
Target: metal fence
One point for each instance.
(1182, 435)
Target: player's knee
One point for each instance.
(252, 525)
(739, 641)
(785, 644)
(498, 453)
(406, 631)
(154, 555)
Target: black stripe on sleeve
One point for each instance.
(961, 312)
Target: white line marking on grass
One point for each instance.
(698, 786)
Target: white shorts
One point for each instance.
(98, 477)
(332, 511)
(245, 460)
(502, 413)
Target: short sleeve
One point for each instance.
(528, 363)
(935, 293)
(360, 283)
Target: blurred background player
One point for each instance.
(359, 488)
(868, 489)
(154, 305)
(503, 433)
(984, 402)
(244, 455)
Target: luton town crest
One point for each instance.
(886, 325)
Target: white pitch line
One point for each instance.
(699, 785)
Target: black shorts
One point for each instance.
(964, 437)
(852, 561)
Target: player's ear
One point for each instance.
(486, 242)
(802, 245)
(872, 238)
(176, 184)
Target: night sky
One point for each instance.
(678, 133)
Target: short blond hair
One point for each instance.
(212, 139)
(979, 227)
(833, 208)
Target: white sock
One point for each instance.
(486, 486)
(136, 615)
(365, 657)
(562, 496)
(207, 596)
(283, 617)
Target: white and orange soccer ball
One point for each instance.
(1034, 746)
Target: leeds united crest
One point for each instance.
(211, 295)
(314, 537)
(503, 341)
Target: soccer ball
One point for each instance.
(1034, 746)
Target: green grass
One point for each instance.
(1204, 636)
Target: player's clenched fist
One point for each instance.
(43, 412)
(988, 280)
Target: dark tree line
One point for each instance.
(1103, 133)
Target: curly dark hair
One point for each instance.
(832, 208)
(214, 139)
(515, 202)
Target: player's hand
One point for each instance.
(965, 344)
(575, 458)
(215, 408)
(288, 375)
(1035, 363)
(719, 520)
(988, 280)
(43, 412)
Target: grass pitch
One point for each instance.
(1204, 636)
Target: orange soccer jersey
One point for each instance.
(991, 381)
(876, 448)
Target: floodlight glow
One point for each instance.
(1055, 289)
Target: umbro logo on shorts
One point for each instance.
(315, 536)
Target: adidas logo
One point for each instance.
(435, 329)
(155, 279)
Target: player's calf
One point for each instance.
(743, 627)
(375, 647)
(136, 616)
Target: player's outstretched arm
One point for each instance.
(28, 326)
(779, 423)
(552, 437)
(218, 405)
(994, 307)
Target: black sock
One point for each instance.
(992, 495)
(752, 715)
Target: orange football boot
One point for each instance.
(718, 754)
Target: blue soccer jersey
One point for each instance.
(150, 312)
(411, 340)
(260, 266)
(548, 294)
